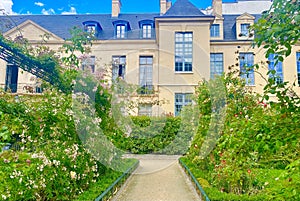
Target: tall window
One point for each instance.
(182, 100)
(298, 66)
(145, 110)
(216, 64)
(183, 51)
(245, 29)
(147, 28)
(11, 80)
(121, 31)
(118, 67)
(215, 30)
(89, 63)
(246, 67)
(146, 69)
(277, 74)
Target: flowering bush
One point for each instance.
(257, 152)
(47, 159)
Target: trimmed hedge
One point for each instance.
(148, 135)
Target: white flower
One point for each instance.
(56, 163)
(4, 197)
(73, 175)
(276, 178)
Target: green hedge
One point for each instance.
(148, 135)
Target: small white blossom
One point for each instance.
(73, 175)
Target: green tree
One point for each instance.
(278, 28)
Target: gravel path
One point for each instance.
(158, 178)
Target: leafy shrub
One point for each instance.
(50, 162)
(258, 144)
(146, 137)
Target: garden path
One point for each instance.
(158, 178)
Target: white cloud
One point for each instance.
(6, 6)
(48, 12)
(40, 4)
(70, 12)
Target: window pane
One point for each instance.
(88, 63)
(145, 110)
(278, 69)
(215, 30)
(183, 51)
(147, 31)
(118, 67)
(120, 31)
(146, 69)
(246, 67)
(245, 29)
(216, 64)
(181, 100)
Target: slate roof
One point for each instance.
(61, 24)
(183, 8)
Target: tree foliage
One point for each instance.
(278, 28)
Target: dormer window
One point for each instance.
(245, 29)
(147, 31)
(120, 31)
(243, 23)
(121, 28)
(92, 27)
(146, 27)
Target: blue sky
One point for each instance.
(85, 6)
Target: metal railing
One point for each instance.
(112, 189)
(194, 180)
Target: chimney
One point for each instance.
(115, 8)
(217, 7)
(169, 4)
(164, 6)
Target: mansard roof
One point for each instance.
(183, 8)
(61, 24)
